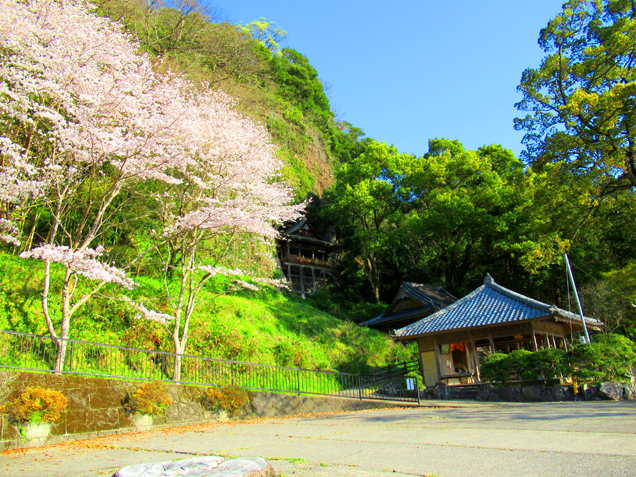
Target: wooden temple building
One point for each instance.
(452, 341)
(305, 257)
(412, 302)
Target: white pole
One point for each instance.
(576, 294)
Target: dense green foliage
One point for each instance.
(580, 101)
(453, 215)
(608, 358)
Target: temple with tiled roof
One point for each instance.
(452, 341)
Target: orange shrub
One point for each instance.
(229, 398)
(151, 398)
(37, 405)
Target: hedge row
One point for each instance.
(608, 358)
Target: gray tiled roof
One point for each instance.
(431, 298)
(490, 304)
(400, 315)
(438, 297)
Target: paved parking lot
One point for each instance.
(579, 438)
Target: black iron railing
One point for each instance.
(39, 353)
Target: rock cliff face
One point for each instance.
(318, 164)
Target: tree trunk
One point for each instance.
(178, 349)
(66, 322)
(60, 357)
(374, 278)
(176, 375)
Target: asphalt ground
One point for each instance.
(471, 439)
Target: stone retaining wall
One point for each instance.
(537, 393)
(96, 407)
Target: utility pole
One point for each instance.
(576, 294)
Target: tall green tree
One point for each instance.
(367, 202)
(470, 210)
(580, 102)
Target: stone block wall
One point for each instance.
(96, 407)
(537, 393)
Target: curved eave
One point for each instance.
(594, 325)
(299, 238)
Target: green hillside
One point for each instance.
(267, 326)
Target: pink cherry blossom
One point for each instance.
(83, 263)
(76, 95)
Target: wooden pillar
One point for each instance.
(565, 343)
(475, 360)
(492, 344)
(313, 277)
(437, 360)
(534, 341)
(302, 282)
(324, 279)
(289, 277)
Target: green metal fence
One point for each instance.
(39, 353)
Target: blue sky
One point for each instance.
(409, 71)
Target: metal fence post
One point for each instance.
(70, 363)
(298, 376)
(360, 386)
(417, 390)
(232, 371)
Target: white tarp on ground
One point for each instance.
(201, 466)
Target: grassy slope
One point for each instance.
(266, 327)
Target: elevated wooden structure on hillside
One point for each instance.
(452, 341)
(305, 257)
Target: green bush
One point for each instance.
(552, 363)
(608, 358)
(523, 362)
(495, 368)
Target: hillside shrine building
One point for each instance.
(452, 341)
(412, 302)
(304, 257)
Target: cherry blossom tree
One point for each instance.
(229, 192)
(84, 116)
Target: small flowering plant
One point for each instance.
(36, 406)
(151, 398)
